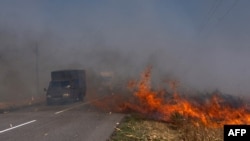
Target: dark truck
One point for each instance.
(66, 86)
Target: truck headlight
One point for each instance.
(66, 95)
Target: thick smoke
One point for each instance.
(123, 37)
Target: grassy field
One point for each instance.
(136, 128)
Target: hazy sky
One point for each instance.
(202, 43)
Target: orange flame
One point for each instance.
(153, 103)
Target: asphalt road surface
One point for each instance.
(71, 122)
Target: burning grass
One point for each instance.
(169, 115)
(162, 105)
(214, 113)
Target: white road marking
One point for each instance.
(58, 112)
(70, 108)
(61, 111)
(17, 126)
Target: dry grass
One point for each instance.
(135, 128)
(200, 133)
(188, 131)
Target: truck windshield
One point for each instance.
(62, 84)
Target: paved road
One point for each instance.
(72, 122)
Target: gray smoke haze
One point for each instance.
(125, 37)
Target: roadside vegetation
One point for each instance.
(137, 128)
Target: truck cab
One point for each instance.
(66, 86)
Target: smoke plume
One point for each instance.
(123, 37)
